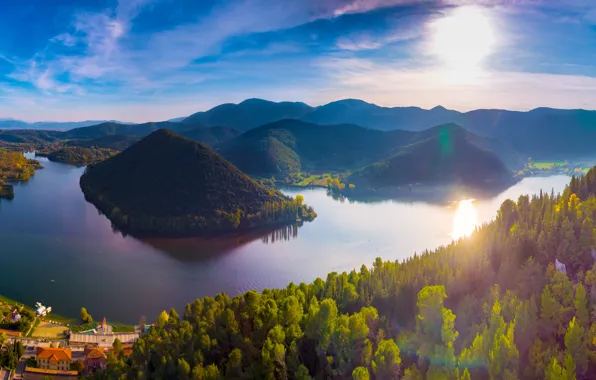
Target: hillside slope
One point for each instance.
(110, 128)
(80, 156)
(290, 146)
(169, 185)
(446, 154)
(211, 135)
(114, 142)
(287, 147)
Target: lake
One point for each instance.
(57, 249)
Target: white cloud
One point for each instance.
(359, 6)
(396, 83)
(368, 41)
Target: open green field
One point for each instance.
(547, 164)
(121, 327)
(7, 303)
(49, 330)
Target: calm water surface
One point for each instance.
(55, 248)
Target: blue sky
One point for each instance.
(141, 60)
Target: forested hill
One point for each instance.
(492, 306)
(80, 156)
(114, 142)
(446, 154)
(124, 132)
(287, 147)
(111, 128)
(170, 185)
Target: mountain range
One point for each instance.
(542, 133)
(51, 125)
(288, 147)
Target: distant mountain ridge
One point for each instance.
(542, 132)
(207, 135)
(51, 125)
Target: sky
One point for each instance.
(148, 60)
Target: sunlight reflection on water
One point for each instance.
(465, 219)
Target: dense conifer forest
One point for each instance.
(490, 306)
(170, 185)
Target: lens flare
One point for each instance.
(465, 219)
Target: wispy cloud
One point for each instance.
(369, 41)
(397, 83)
(119, 58)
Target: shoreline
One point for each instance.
(64, 320)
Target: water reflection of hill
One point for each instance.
(433, 194)
(200, 248)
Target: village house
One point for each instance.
(15, 316)
(57, 359)
(95, 359)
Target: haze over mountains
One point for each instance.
(539, 133)
(51, 125)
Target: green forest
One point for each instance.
(14, 167)
(79, 156)
(169, 185)
(489, 306)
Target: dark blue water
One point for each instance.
(49, 232)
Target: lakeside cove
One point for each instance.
(92, 260)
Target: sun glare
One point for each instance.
(462, 40)
(465, 219)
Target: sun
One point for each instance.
(463, 39)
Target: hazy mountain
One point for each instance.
(29, 136)
(207, 135)
(111, 128)
(50, 125)
(211, 135)
(114, 142)
(542, 132)
(249, 114)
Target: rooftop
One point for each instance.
(95, 353)
(54, 354)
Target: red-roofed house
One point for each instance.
(58, 359)
(95, 359)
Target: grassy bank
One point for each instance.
(7, 303)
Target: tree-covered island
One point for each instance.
(168, 185)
